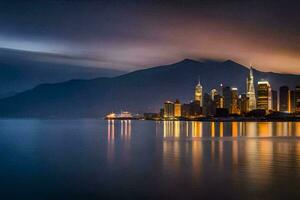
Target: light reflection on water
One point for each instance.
(192, 130)
(252, 154)
(96, 159)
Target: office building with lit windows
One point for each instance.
(264, 96)
(199, 94)
(251, 90)
(177, 108)
(169, 110)
(234, 101)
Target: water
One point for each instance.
(94, 159)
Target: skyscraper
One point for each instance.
(169, 110)
(234, 101)
(213, 93)
(198, 94)
(284, 99)
(292, 102)
(244, 104)
(251, 91)
(274, 100)
(264, 96)
(219, 101)
(208, 105)
(227, 97)
(177, 108)
(297, 99)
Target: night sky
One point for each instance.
(133, 35)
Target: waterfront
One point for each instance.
(93, 159)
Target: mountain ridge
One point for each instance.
(139, 91)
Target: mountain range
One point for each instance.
(19, 73)
(139, 91)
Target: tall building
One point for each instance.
(234, 101)
(198, 94)
(195, 109)
(209, 108)
(185, 110)
(177, 108)
(264, 96)
(251, 91)
(168, 110)
(292, 102)
(213, 93)
(297, 99)
(227, 97)
(284, 99)
(244, 104)
(219, 101)
(274, 100)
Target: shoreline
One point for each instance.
(216, 120)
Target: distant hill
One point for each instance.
(19, 74)
(139, 91)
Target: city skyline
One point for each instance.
(228, 100)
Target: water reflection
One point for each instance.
(258, 154)
(110, 139)
(194, 130)
(255, 154)
(124, 134)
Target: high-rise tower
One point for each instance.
(198, 93)
(251, 91)
(264, 95)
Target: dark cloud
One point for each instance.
(135, 34)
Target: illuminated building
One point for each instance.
(251, 91)
(244, 104)
(234, 101)
(219, 101)
(284, 99)
(274, 100)
(198, 94)
(227, 97)
(191, 110)
(297, 99)
(177, 108)
(264, 96)
(169, 110)
(292, 102)
(213, 93)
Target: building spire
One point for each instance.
(199, 82)
(251, 90)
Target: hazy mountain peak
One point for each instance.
(187, 61)
(231, 62)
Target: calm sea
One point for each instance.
(96, 159)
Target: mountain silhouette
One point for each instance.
(19, 74)
(139, 91)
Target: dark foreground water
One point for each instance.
(95, 159)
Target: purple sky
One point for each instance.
(132, 35)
